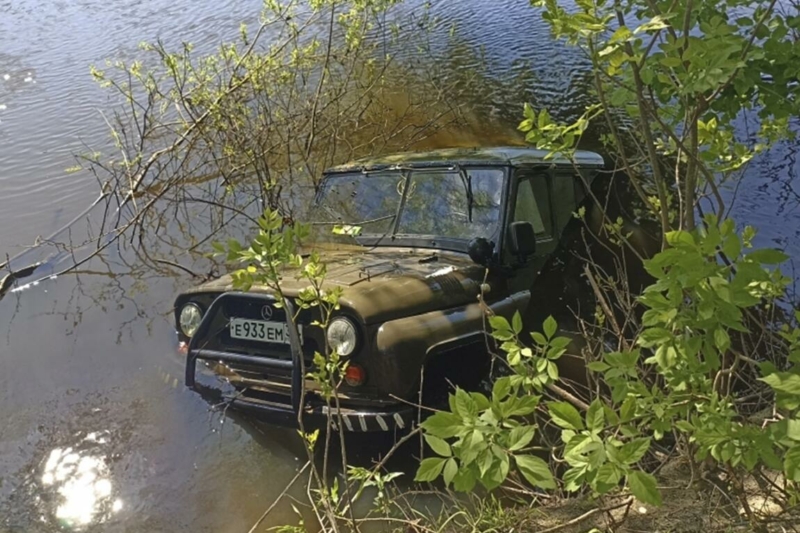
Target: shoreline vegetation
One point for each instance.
(688, 416)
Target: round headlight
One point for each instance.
(342, 336)
(191, 316)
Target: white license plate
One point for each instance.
(261, 330)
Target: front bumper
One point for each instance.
(276, 409)
(350, 420)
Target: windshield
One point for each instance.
(453, 203)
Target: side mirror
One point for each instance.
(522, 240)
(481, 250)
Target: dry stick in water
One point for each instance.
(13, 275)
(280, 497)
(8, 279)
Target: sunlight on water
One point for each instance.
(82, 483)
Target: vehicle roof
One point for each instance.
(502, 155)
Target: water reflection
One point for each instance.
(80, 480)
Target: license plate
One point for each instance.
(261, 330)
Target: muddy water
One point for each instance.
(96, 431)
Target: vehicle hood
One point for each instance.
(384, 284)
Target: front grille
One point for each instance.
(219, 337)
(253, 309)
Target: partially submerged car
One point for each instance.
(433, 231)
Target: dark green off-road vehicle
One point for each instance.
(434, 230)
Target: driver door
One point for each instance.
(532, 204)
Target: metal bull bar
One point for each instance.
(295, 365)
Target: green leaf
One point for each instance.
(671, 62)
(516, 323)
(450, 471)
(544, 119)
(767, 256)
(628, 409)
(653, 336)
(464, 480)
(793, 429)
(573, 478)
(784, 382)
(523, 405)
(732, 247)
(481, 402)
(608, 50)
(471, 447)
(443, 425)
(768, 456)
(622, 34)
(536, 471)
(612, 417)
(565, 415)
(465, 405)
(485, 461)
(347, 230)
(438, 445)
(560, 343)
(234, 246)
(598, 366)
(550, 326)
(595, 417)
(520, 437)
(721, 339)
(655, 23)
(552, 371)
(791, 463)
(680, 237)
(643, 486)
(538, 338)
(607, 477)
(528, 111)
(499, 323)
(429, 469)
(501, 388)
(497, 474)
(631, 452)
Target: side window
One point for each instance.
(532, 205)
(564, 198)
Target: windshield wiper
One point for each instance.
(467, 181)
(406, 185)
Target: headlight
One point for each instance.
(342, 336)
(191, 316)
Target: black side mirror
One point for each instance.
(481, 251)
(522, 240)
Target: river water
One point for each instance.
(96, 430)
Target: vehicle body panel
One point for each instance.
(415, 300)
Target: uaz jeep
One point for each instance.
(435, 230)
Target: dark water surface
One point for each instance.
(96, 430)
